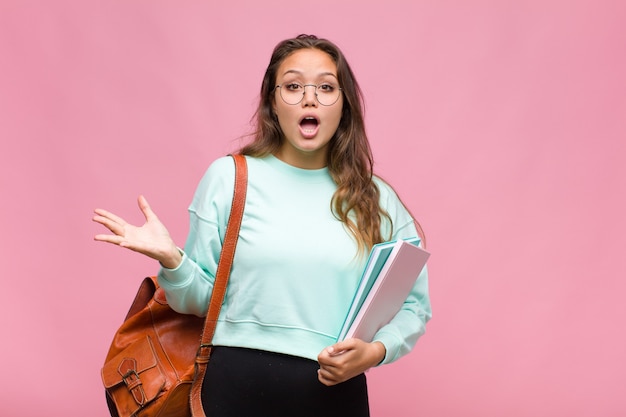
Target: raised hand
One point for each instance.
(151, 239)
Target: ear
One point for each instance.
(274, 111)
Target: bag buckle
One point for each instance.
(128, 371)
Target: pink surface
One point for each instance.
(502, 125)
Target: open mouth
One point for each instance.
(309, 125)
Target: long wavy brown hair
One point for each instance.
(350, 163)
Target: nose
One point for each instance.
(310, 98)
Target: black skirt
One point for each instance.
(252, 383)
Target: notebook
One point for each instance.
(388, 277)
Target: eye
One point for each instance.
(292, 87)
(326, 88)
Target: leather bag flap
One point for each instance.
(138, 359)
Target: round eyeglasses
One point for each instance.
(326, 94)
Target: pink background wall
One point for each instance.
(502, 125)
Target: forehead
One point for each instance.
(308, 63)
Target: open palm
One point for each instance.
(151, 239)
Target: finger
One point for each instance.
(116, 240)
(324, 358)
(330, 363)
(325, 381)
(112, 225)
(326, 378)
(145, 208)
(108, 215)
(336, 350)
(335, 354)
(343, 346)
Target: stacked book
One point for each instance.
(389, 275)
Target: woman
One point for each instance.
(312, 213)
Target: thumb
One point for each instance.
(145, 207)
(339, 348)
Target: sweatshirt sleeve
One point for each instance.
(401, 334)
(188, 287)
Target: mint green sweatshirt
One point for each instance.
(296, 266)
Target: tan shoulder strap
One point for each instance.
(221, 280)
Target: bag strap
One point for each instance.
(221, 280)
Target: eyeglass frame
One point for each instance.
(304, 86)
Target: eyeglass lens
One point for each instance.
(292, 93)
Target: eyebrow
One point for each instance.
(293, 71)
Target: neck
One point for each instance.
(302, 160)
